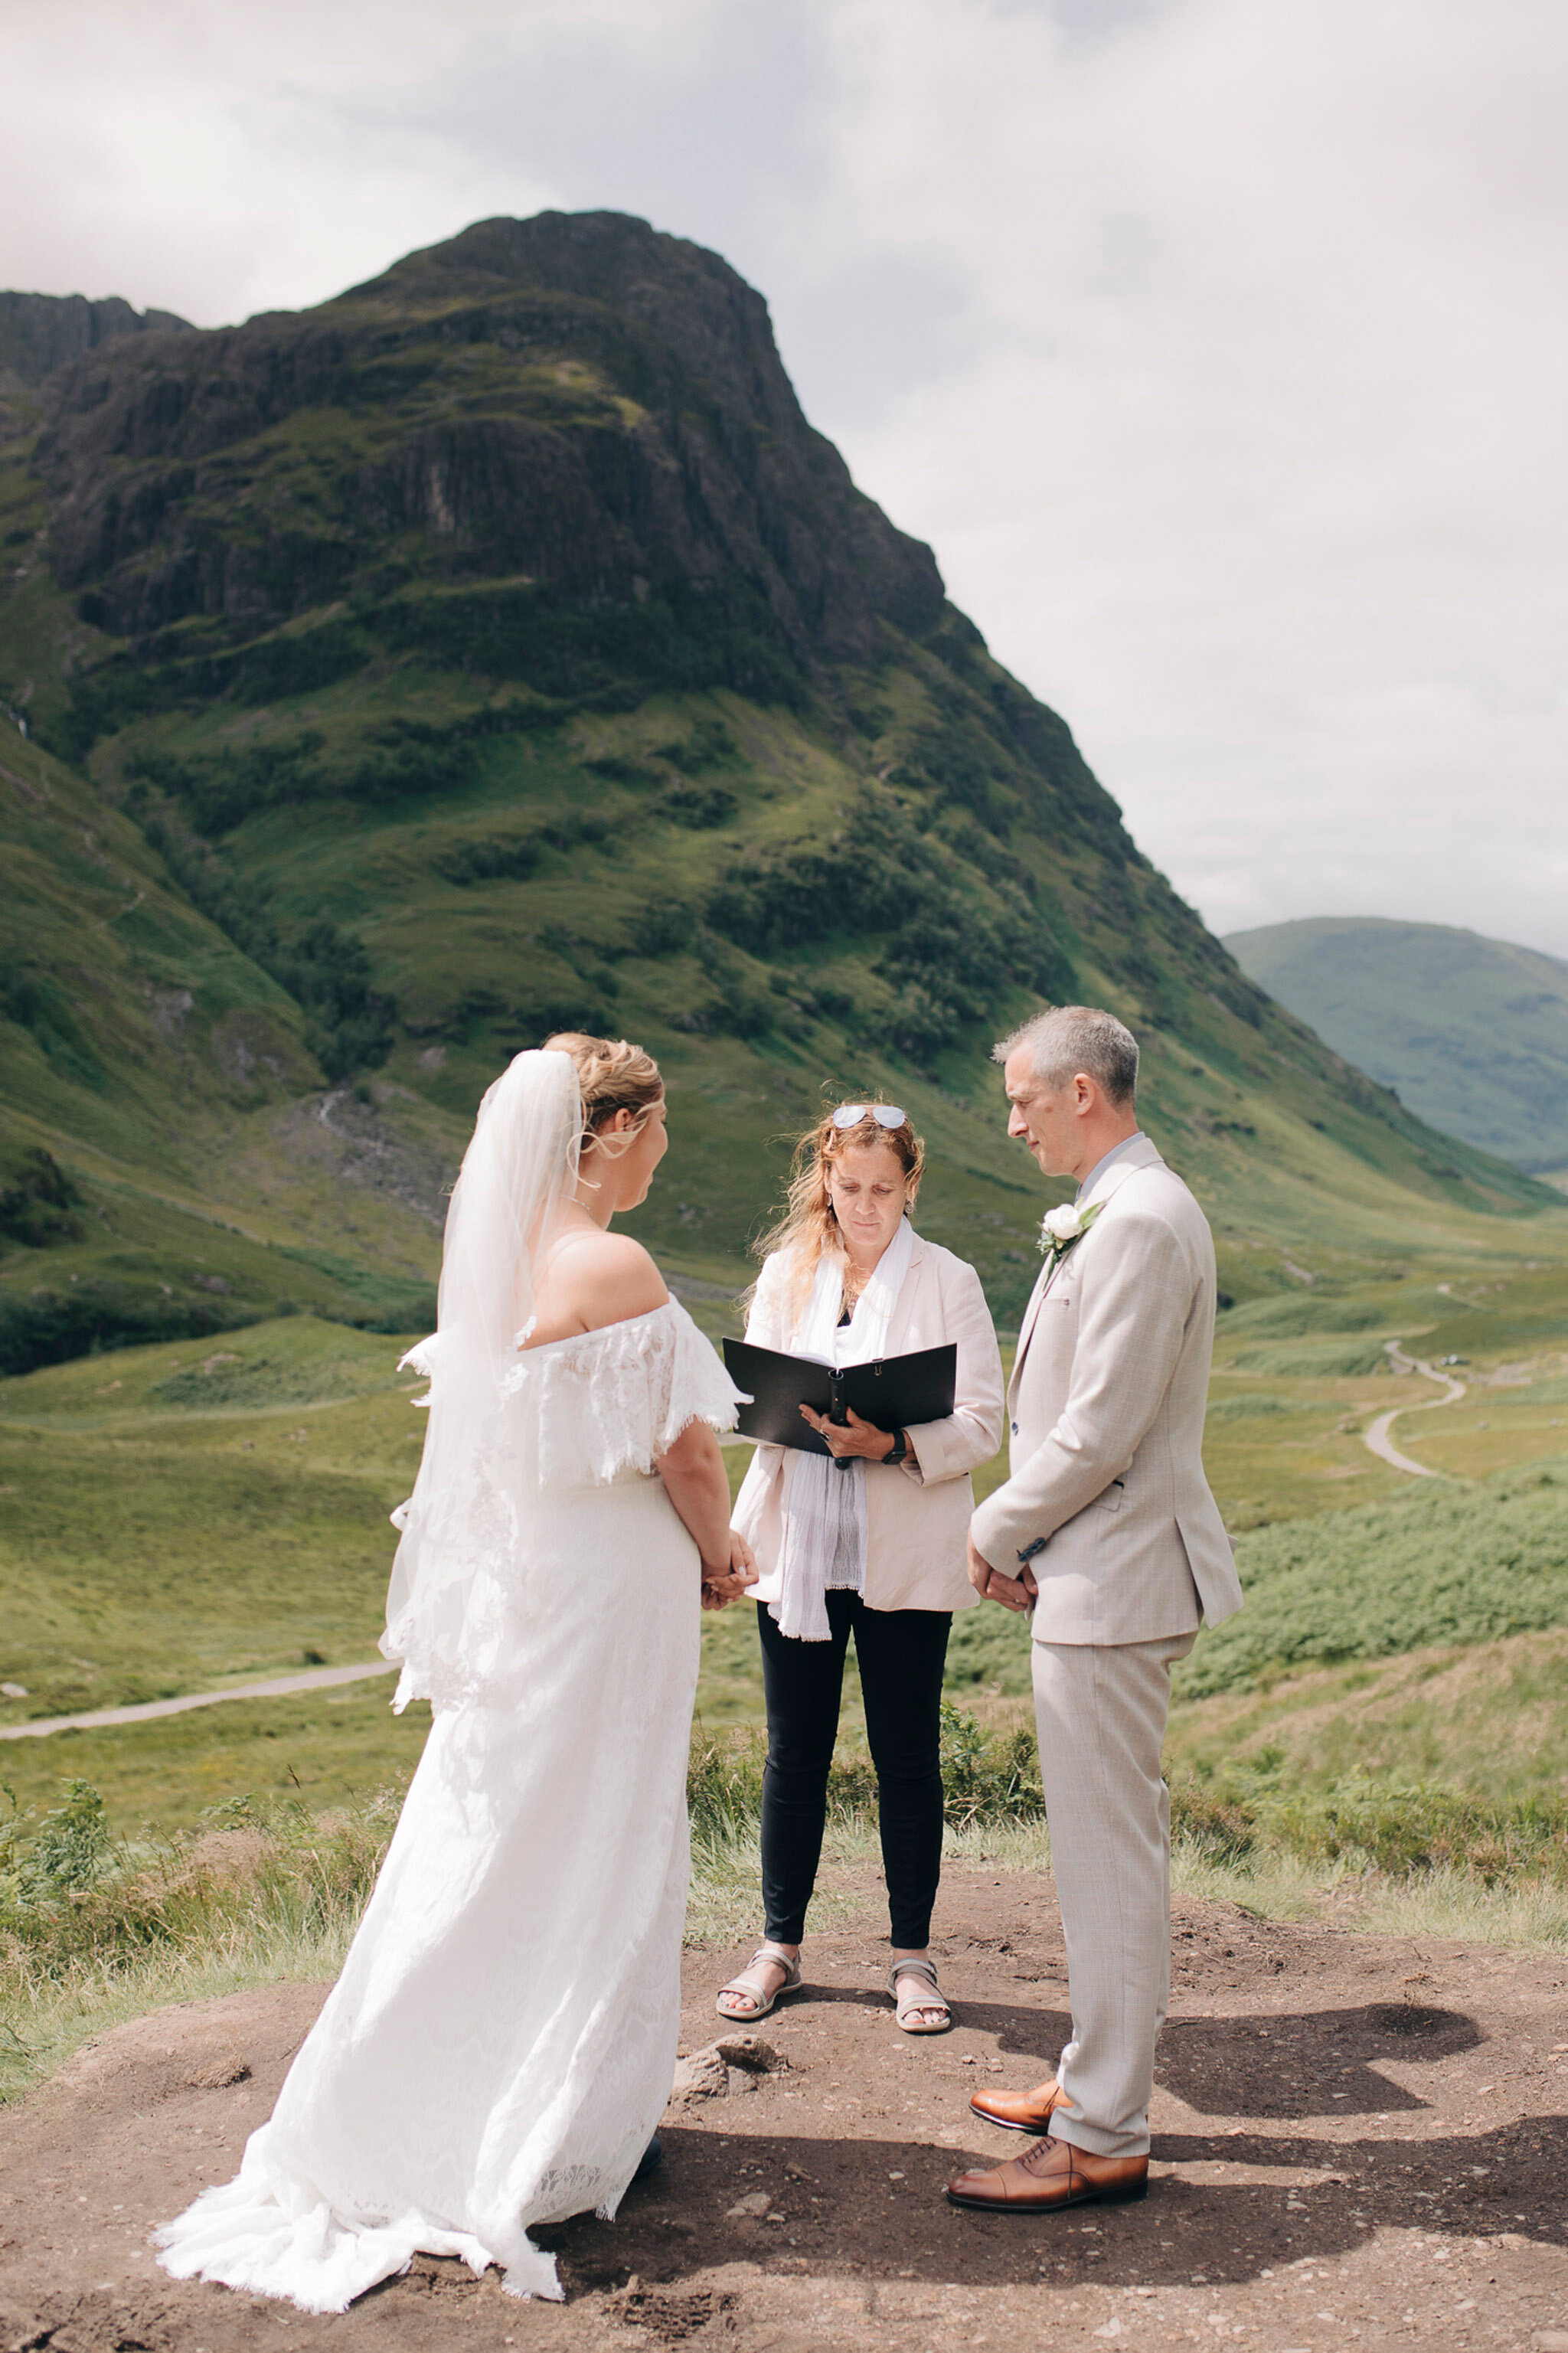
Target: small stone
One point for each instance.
(750, 2208)
(703, 2076)
(750, 2051)
(13, 1691)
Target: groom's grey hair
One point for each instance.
(1073, 1037)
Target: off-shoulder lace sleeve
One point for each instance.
(615, 1400)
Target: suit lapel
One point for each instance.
(903, 1309)
(1026, 1329)
(1143, 1155)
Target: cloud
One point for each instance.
(1252, 472)
(1215, 345)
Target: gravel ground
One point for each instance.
(1355, 2139)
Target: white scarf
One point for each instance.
(824, 1544)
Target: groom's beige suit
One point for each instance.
(1107, 1502)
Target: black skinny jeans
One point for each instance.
(901, 1654)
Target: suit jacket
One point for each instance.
(1106, 1407)
(917, 1514)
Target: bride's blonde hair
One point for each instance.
(809, 1224)
(612, 1075)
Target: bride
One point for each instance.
(501, 2043)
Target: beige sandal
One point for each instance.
(752, 1992)
(906, 2007)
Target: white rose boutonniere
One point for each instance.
(1066, 1224)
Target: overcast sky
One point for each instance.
(1217, 346)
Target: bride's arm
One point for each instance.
(694, 1478)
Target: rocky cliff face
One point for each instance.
(41, 332)
(592, 414)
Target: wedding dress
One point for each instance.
(500, 2046)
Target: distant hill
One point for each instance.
(497, 648)
(1471, 1033)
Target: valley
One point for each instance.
(497, 648)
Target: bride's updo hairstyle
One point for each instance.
(612, 1075)
(809, 1224)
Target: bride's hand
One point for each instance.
(721, 1586)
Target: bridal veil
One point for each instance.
(461, 1520)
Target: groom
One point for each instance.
(1106, 1529)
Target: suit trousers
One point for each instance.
(1100, 1711)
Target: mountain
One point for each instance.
(40, 332)
(1472, 1033)
(498, 647)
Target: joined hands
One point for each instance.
(1020, 1592)
(725, 1582)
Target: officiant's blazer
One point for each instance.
(917, 1513)
(1106, 1418)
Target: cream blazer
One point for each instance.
(917, 1514)
(1106, 1407)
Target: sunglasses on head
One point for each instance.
(885, 1114)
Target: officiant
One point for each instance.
(866, 1541)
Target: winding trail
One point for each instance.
(277, 1687)
(1376, 1435)
(319, 1678)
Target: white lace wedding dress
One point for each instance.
(501, 2045)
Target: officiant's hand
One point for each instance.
(1018, 1593)
(846, 1441)
(723, 1584)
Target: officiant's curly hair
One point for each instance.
(612, 1075)
(809, 1224)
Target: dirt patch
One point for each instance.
(1356, 2137)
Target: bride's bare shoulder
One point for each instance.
(594, 1280)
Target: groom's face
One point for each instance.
(1048, 1123)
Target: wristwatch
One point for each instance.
(901, 1447)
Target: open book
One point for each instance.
(892, 1392)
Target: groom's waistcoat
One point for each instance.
(1106, 1418)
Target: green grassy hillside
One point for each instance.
(498, 647)
(179, 1518)
(168, 1165)
(1472, 1033)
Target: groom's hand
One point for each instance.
(1017, 1593)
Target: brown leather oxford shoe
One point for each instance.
(1028, 2112)
(1051, 2175)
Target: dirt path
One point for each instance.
(277, 1687)
(1356, 2138)
(1376, 1434)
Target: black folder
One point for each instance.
(893, 1393)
